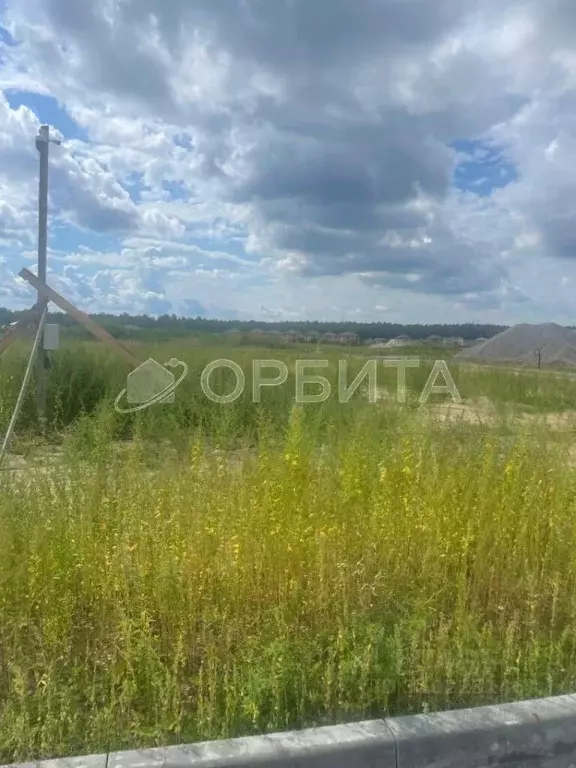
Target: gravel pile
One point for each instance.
(518, 345)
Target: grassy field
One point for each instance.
(199, 571)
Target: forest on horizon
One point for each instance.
(172, 326)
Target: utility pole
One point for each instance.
(43, 142)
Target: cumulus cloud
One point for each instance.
(321, 138)
(81, 190)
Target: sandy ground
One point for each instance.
(564, 373)
(40, 460)
(482, 413)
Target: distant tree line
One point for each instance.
(171, 326)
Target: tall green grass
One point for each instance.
(252, 567)
(86, 375)
(341, 570)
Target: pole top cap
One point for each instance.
(44, 135)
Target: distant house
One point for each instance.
(292, 336)
(435, 340)
(376, 343)
(454, 341)
(331, 338)
(349, 338)
(401, 341)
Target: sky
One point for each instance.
(377, 160)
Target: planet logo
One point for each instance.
(149, 384)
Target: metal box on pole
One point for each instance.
(51, 337)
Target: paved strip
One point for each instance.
(540, 733)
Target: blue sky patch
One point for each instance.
(47, 110)
(483, 168)
(233, 247)
(5, 36)
(183, 140)
(134, 185)
(176, 189)
(68, 239)
(6, 40)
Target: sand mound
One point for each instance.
(518, 345)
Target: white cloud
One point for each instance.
(312, 137)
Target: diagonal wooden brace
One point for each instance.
(82, 318)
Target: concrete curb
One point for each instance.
(540, 733)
